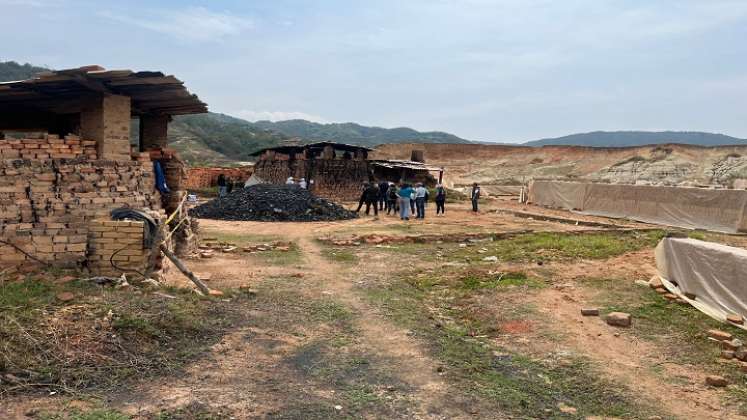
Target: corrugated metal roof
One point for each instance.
(62, 91)
(406, 164)
(318, 145)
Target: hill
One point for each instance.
(353, 133)
(639, 138)
(10, 71)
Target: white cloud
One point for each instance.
(277, 116)
(192, 23)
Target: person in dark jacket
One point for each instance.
(229, 185)
(391, 202)
(475, 196)
(440, 199)
(370, 196)
(383, 188)
(221, 185)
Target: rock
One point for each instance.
(719, 335)
(590, 311)
(462, 245)
(741, 353)
(65, 296)
(618, 319)
(735, 319)
(743, 367)
(732, 344)
(727, 354)
(65, 279)
(717, 381)
(338, 407)
(567, 409)
(492, 258)
(671, 296)
(214, 292)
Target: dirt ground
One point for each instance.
(320, 346)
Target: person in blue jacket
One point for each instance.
(405, 195)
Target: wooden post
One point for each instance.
(178, 263)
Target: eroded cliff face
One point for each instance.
(670, 164)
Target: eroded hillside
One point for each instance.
(670, 164)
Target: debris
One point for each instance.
(618, 319)
(492, 258)
(727, 354)
(151, 282)
(690, 296)
(590, 311)
(214, 292)
(271, 203)
(642, 283)
(735, 319)
(741, 353)
(338, 407)
(732, 344)
(719, 335)
(656, 283)
(671, 296)
(715, 380)
(567, 409)
(65, 296)
(164, 295)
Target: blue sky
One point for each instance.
(493, 70)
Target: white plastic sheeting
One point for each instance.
(716, 274)
(693, 208)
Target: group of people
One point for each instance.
(404, 199)
(301, 182)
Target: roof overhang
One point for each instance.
(311, 146)
(405, 164)
(64, 91)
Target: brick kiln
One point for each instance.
(198, 178)
(66, 162)
(337, 170)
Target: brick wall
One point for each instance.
(335, 179)
(49, 147)
(208, 177)
(48, 205)
(117, 241)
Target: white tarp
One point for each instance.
(693, 208)
(716, 274)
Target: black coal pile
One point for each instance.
(272, 203)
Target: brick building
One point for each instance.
(337, 170)
(66, 162)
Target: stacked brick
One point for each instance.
(47, 206)
(208, 177)
(116, 246)
(334, 179)
(47, 148)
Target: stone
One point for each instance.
(618, 319)
(491, 259)
(715, 380)
(214, 292)
(719, 335)
(727, 354)
(732, 344)
(590, 311)
(741, 353)
(65, 296)
(671, 296)
(567, 409)
(743, 367)
(735, 319)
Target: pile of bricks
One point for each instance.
(49, 147)
(120, 242)
(48, 206)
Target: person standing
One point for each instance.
(405, 194)
(370, 196)
(391, 202)
(383, 188)
(221, 185)
(302, 183)
(229, 185)
(420, 194)
(475, 196)
(440, 199)
(290, 181)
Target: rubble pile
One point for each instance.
(272, 203)
(209, 245)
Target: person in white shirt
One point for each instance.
(420, 193)
(290, 181)
(302, 183)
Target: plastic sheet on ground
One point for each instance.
(714, 273)
(692, 208)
